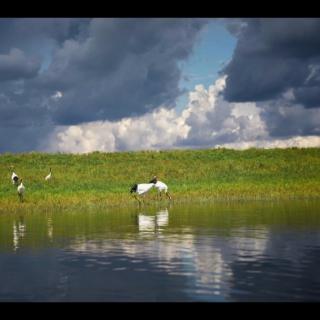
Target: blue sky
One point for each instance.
(214, 47)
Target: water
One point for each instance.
(255, 251)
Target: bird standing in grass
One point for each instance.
(14, 178)
(141, 189)
(161, 186)
(21, 189)
(48, 177)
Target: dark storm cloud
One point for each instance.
(16, 65)
(102, 69)
(284, 120)
(32, 33)
(125, 67)
(22, 138)
(272, 56)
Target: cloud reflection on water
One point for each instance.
(204, 261)
(231, 258)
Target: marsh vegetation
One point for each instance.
(105, 179)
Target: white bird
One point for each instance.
(21, 189)
(48, 176)
(161, 186)
(14, 178)
(141, 189)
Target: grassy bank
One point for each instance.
(104, 179)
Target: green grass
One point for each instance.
(104, 179)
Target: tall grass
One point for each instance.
(104, 179)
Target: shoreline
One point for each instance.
(105, 206)
(193, 176)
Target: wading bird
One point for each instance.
(14, 177)
(141, 189)
(161, 186)
(21, 189)
(49, 175)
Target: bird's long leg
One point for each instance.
(144, 198)
(139, 202)
(136, 197)
(168, 195)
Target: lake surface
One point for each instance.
(255, 251)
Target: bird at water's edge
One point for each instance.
(141, 189)
(161, 187)
(21, 189)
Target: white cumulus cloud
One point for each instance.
(158, 129)
(207, 121)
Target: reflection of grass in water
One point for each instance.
(249, 218)
(104, 179)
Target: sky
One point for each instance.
(80, 85)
